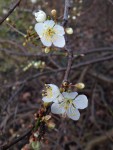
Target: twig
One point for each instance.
(10, 11)
(98, 140)
(10, 144)
(70, 52)
(92, 61)
(101, 77)
(81, 64)
(27, 134)
(13, 96)
(66, 12)
(111, 1)
(67, 5)
(70, 58)
(15, 29)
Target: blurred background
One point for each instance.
(25, 68)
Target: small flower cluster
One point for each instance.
(38, 131)
(49, 31)
(65, 103)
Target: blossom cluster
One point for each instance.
(65, 103)
(49, 31)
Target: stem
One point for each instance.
(68, 69)
(10, 11)
(69, 51)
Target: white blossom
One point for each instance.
(70, 104)
(40, 16)
(33, 1)
(5, 11)
(52, 94)
(74, 17)
(69, 30)
(50, 33)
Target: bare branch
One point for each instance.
(10, 11)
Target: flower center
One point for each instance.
(48, 34)
(66, 103)
(49, 92)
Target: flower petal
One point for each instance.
(73, 113)
(49, 23)
(81, 102)
(57, 99)
(40, 16)
(56, 93)
(46, 99)
(46, 42)
(58, 41)
(39, 28)
(70, 95)
(55, 89)
(59, 29)
(57, 109)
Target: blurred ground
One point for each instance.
(23, 74)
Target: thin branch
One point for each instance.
(99, 140)
(10, 144)
(5, 147)
(81, 64)
(69, 51)
(66, 12)
(68, 69)
(28, 133)
(10, 11)
(15, 29)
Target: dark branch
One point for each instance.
(10, 11)
(70, 58)
(69, 51)
(66, 12)
(10, 144)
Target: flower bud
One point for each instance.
(24, 44)
(47, 117)
(80, 86)
(47, 50)
(7, 19)
(36, 134)
(51, 125)
(33, 1)
(53, 12)
(65, 83)
(35, 145)
(43, 64)
(69, 30)
(30, 27)
(5, 11)
(40, 16)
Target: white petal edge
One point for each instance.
(81, 102)
(39, 28)
(49, 23)
(59, 41)
(59, 29)
(73, 113)
(57, 96)
(57, 109)
(70, 95)
(45, 42)
(55, 89)
(47, 100)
